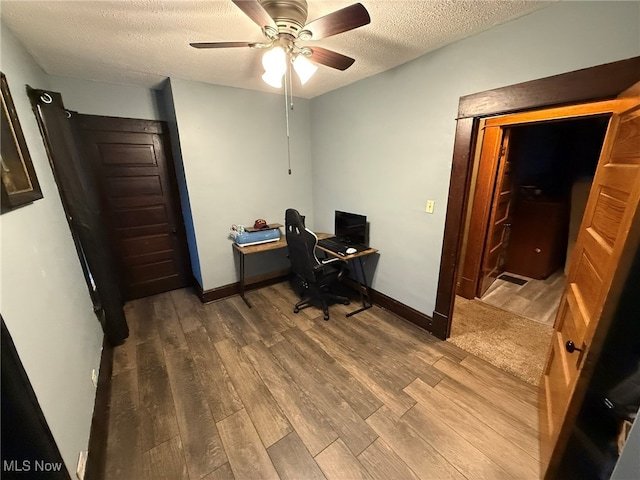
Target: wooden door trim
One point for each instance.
(587, 85)
(557, 113)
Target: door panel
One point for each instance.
(133, 186)
(470, 274)
(499, 224)
(139, 201)
(608, 236)
(127, 155)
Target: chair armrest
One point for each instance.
(327, 261)
(321, 268)
(331, 267)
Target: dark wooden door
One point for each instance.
(139, 202)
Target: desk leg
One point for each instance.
(242, 280)
(366, 302)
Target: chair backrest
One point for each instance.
(302, 246)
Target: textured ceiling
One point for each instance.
(143, 42)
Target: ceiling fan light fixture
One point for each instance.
(272, 79)
(274, 62)
(304, 68)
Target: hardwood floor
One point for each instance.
(221, 391)
(536, 300)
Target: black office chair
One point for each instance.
(316, 276)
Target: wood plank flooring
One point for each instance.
(221, 391)
(536, 300)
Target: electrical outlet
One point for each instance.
(94, 377)
(82, 465)
(430, 205)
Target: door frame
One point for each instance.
(603, 82)
(472, 261)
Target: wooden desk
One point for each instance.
(251, 250)
(263, 247)
(365, 296)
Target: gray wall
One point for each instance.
(390, 136)
(98, 98)
(185, 203)
(45, 301)
(234, 153)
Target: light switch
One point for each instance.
(429, 207)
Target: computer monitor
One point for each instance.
(351, 227)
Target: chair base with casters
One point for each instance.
(319, 295)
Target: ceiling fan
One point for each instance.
(284, 23)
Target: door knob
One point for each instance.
(571, 347)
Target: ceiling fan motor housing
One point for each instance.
(290, 15)
(284, 23)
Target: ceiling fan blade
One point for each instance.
(256, 12)
(342, 20)
(221, 44)
(330, 58)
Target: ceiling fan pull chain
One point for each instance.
(290, 86)
(286, 115)
(289, 154)
(290, 106)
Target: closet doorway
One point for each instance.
(545, 184)
(517, 238)
(530, 184)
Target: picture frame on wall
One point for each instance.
(19, 182)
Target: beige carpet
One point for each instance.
(508, 341)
